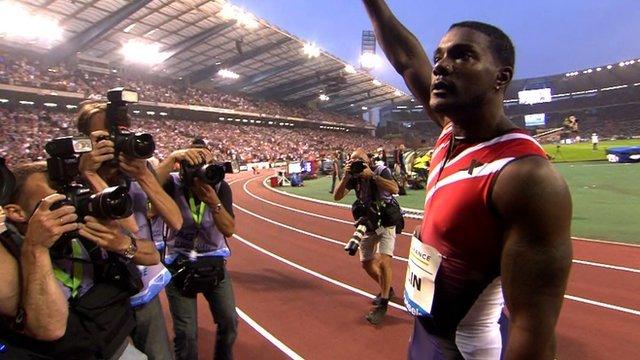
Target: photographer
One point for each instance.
(100, 170)
(199, 251)
(374, 189)
(79, 303)
(22, 295)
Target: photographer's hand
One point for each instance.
(192, 156)
(102, 151)
(222, 219)
(108, 235)
(136, 169)
(46, 226)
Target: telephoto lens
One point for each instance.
(139, 146)
(356, 238)
(212, 174)
(111, 203)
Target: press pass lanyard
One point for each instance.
(72, 282)
(197, 216)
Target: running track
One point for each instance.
(301, 296)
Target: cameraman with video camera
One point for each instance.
(378, 217)
(197, 254)
(120, 157)
(76, 277)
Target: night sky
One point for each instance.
(551, 36)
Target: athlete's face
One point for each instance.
(465, 72)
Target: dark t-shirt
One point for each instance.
(367, 191)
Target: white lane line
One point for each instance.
(246, 190)
(267, 335)
(313, 273)
(570, 297)
(417, 214)
(604, 305)
(323, 238)
(607, 266)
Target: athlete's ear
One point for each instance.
(504, 77)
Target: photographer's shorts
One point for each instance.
(372, 243)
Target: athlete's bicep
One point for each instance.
(535, 204)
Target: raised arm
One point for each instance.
(534, 201)
(404, 52)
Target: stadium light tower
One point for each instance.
(368, 58)
(143, 53)
(244, 18)
(311, 50)
(18, 22)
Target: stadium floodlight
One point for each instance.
(370, 61)
(599, 69)
(228, 74)
(163, 113)
(24, 102)
(311, 50)
(621, 64)
(349, 69)
(376, 82)
(365, 108)
(244, 18)
(71, 107)
(17, 22)
(151, 112)
(4, 101)
(48, 104)
(324, 97)
(143, 53)
(136, 111)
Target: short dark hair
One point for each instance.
(500, 43)
(22, 172)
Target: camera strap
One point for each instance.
(72, 282)
(197, 214)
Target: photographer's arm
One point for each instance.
(342, 190)
(44, 303)
(222, 215)
(161, 201)
(10, 278)
(389, 185)
(108, 236)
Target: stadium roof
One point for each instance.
(197, 39)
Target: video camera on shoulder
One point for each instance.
(111, 203)
(210, 174)
(133, 145)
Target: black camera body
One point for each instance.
(357, 167)
(111, 203)
(210, 174)
(133, 145)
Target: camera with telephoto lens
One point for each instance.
(367, 219)
(210, 174)
(133, 145)
(357, 167)
(111, 203)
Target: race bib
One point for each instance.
(419, 286)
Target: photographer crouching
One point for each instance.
(198, 252)
(377, 216)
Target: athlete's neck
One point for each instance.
(481, 123)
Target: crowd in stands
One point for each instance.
(25, 133)
(21, 71)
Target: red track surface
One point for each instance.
(318, 319)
